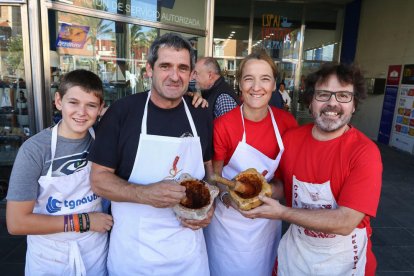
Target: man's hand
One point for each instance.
(270, 209)
(163, 194)
(342, 220)
(197, 224)
(198, 99)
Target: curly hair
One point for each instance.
(346, 74)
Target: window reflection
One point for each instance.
(14, 98)
(117, 52)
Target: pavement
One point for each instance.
(393, 228)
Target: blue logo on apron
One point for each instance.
(52, 205)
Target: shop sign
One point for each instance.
(187, 13)
(275, 30)
(403, 128)
(408, 74)
(388, 106)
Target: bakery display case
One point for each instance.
(14, 127)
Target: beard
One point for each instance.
(325, 123)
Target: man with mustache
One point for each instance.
(145, 141)
(332, 176)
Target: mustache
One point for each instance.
(330, 108)
(173, 82)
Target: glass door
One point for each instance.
(15, 97)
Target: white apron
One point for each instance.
(306, 252)
(237, 245)
(69, 253)
(151, 241)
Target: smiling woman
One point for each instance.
(247, 137)
(257, 82)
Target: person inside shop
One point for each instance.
(21, 103)
(249, 136)
(144, 142)
(276, 100)
(285, 96)
(50, 197)
(332, 176)
(220, 96)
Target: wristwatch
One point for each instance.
(222, 195)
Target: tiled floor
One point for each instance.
(393, 229)
(12, 249)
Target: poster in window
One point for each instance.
(408, 74)
(72, 36)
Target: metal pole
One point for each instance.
(249, 47)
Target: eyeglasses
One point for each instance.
(340, 96)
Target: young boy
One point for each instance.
(50, 198)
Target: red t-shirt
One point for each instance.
(351, 162)
(228, 132)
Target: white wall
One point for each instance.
(317, 38)
(385, 37)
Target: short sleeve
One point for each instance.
(362, 188)
(27, 169)
(104, 150)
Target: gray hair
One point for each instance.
(212, 63)
(171, 40)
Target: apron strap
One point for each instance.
(278, 136)
(187, 112)
(77, 267)
(190, 119)
(275, 128)
(244, 129)
(53, 144)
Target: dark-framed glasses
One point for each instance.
(340, 96)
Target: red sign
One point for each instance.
(394, 74)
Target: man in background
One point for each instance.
(220, 96)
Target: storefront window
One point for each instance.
(298, 37)
(14, 98)
(117, 52)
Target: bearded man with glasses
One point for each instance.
(332, 176)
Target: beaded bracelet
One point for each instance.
(88, 223)
(81, 229)
(65, 223)
(71, 223)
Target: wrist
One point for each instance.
(223, 195)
